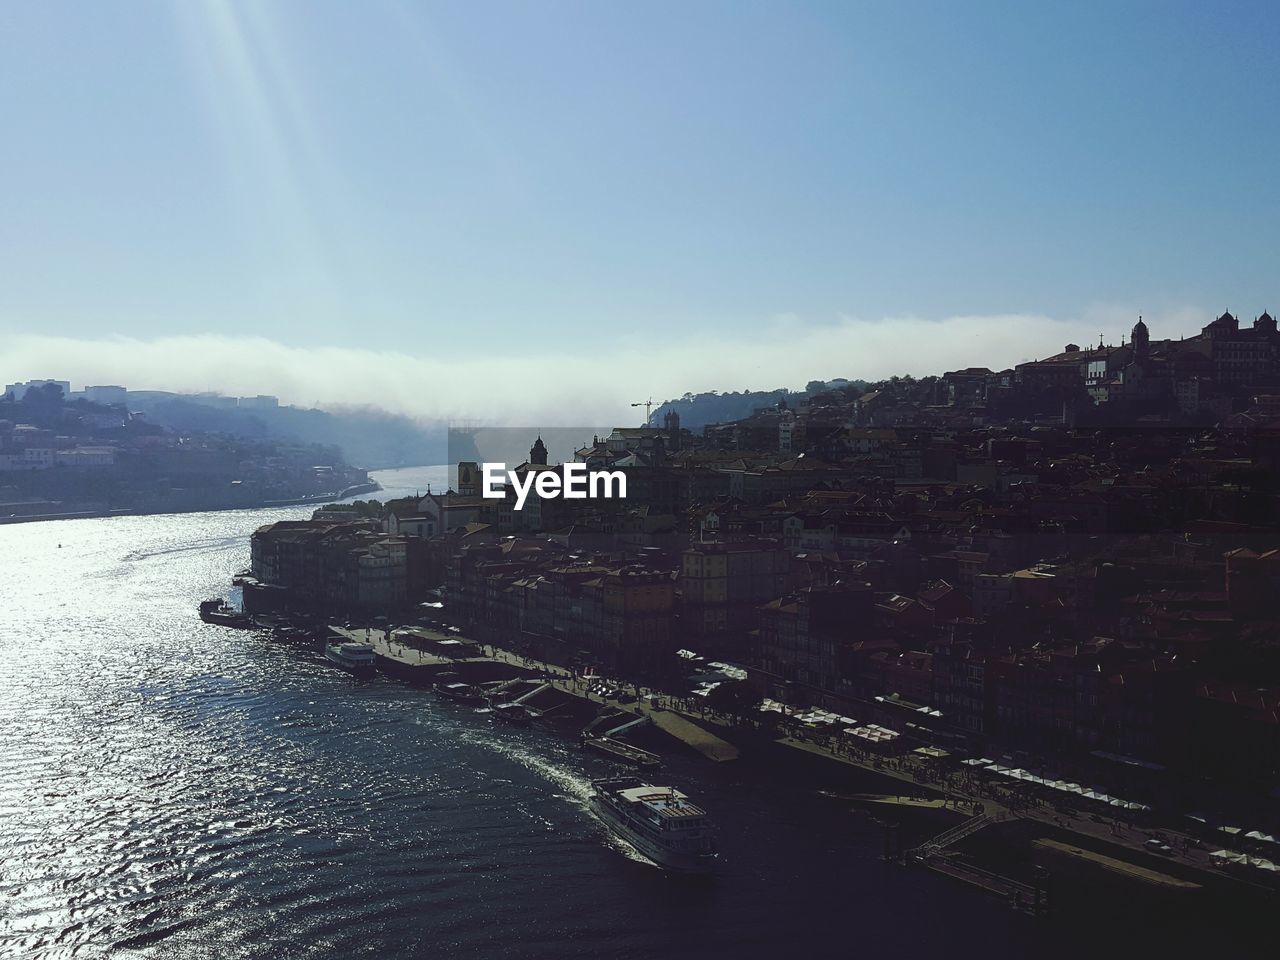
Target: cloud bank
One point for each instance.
(564, 387)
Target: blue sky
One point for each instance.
(563, 184)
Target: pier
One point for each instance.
(674, 724)
(1114, 865)
(700, 738)
(406, 655)
(935, 853)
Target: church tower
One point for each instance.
(538, 453)
(468, 478)
(1141, 338)
(672, 423)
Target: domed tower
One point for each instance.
(1265, 324)
(1141, 339)
(538, 453)
(1224, 326)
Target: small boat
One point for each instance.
(357, 658)
(462, 693)
(516, 713)
(220, 612)
(621, 751)
(659, 822)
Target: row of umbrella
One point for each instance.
(1251, 835)
(873, 732)
(1063, 786)
(1230, 856)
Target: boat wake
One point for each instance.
(576, 787)
(198, 546)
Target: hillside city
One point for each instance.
(1070, 564)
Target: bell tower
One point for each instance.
(468, 479)
(538, 453)
(671, 421)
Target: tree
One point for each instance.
(738, 698)
(47, 394)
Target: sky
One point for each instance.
(487, 209)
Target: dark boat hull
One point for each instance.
(359, 669)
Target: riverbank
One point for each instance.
(908, 784)
(316, 499)
(1120, 846)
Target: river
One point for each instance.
(170, 788)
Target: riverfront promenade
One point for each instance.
(399, 648)
(960, 792)
(963, 792)
(925, 783)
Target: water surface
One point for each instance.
(170, 788)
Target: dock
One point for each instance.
(675, 725)
(690, 733)
(1023, 897)
(1124, 868)
(405, 656)
(625, 752)
(915, 803)
(935, 854)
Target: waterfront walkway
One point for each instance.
(964, 792)
(964, 789)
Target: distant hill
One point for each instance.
(368, 437)
(698, 410)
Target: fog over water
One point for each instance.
(595, 379)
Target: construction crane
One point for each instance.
(648, 406)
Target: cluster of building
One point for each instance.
(1200, 378)
(114, 394)
(93, 454)
(335, 561)
(1081, 591)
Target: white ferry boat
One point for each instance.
(356, 657)
(659, 822)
